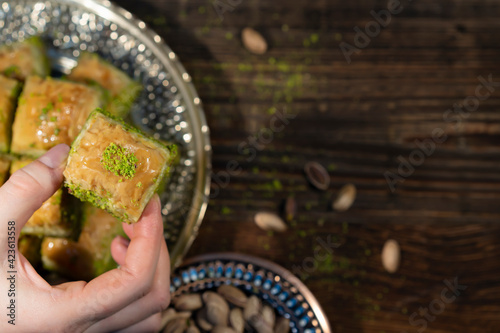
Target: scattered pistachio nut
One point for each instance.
(253, 41)
(290, 208)
(317, 175)
(345, 198)
(270, 221)
(391, 256)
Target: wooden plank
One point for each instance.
(356, 119)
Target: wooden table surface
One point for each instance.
(361, 120)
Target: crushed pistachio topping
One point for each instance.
(46, 109)
(119, 161)
(12, 70)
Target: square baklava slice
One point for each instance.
(51, 112)
(92, 251)
(4, 168)
(9, 89)
(116, 167)
(58, 215)
(29, 246)
(22, 59)
(122, 90)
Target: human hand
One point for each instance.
(127, 299)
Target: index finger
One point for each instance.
(115, 289)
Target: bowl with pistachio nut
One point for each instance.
(236, 293)
(91, 75)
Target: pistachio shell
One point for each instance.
(260, 325)
(253, 41)
(282, 325)
(391, 256)
(217, 308)
(202, 321)
(177, 325)
(192, 329)
(252, 308)
(188, 302)
(290, 208)
(167, 316)
(236, 320)
(222, 329)
(345, 198)
(317, 175)
(270, 221)
(233, 295)
(268, 315)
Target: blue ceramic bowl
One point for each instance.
(255, 276)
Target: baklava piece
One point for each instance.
(122, 89)
(51, 112)
(56, 217)
(115, 167)
(4, 168)
(9, 90)
(22, 59)
(66, 257)
(29, 246)
(92, 251)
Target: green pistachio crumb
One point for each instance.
(57, 131)
(139, 184)
(226, 210)
(12, 70)
(119, 161)
(46, 109)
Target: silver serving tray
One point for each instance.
(168, 109)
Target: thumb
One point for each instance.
(29, 187)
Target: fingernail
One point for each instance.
(55, 157)
(156, 197)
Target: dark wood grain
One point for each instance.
(355, 119)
